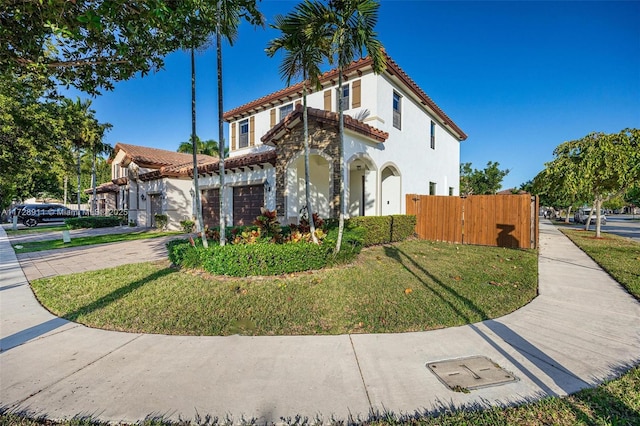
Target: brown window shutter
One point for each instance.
(233, 136)
(252, 133)
(273, 117)
(327, 100)
(355, 87)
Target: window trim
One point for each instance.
(397, 112)
(243, 136)
(289, 108)
(346, 100)
(433, 134)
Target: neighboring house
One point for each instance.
(397, 141)
(153, 181)
(107, 198)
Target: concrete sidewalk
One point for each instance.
(580, 330)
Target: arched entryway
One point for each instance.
(362, 186)
(390, 190)
(320, 172)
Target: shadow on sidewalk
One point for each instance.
(561, 376)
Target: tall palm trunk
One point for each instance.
(94, 202)
(220, 129)
(79, 184)
(340, 159)
(196, 185)
(307, 191)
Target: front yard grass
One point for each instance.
(409, 286)
(619, 256)
(32, 246)
(36, 230)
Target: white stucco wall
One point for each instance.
(408, 148)
(249, 176)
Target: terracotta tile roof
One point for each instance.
(248, 160)
(319, 115)
(329, 77)
(210, 167)
(154, 158)
(103, 188)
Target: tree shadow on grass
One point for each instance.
(441, 290)
(116, 295)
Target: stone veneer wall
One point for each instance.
(322, 137)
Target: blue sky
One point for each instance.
(518, 77)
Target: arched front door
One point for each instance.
(390, 191)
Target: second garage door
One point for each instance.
(247, 201)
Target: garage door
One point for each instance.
(211, 207)
(247, 201)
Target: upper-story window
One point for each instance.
(243, 140)
(285, 110)
(432, 188)
(433, 135)
(345, 98)
(397, 110)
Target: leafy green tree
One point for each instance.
(632, 196)
(305, 49)
(481, 182)
(89, 44)
(32, 138)
(600, 166)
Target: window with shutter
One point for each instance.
(355, 86)
(252, 133)
(243, 141)
(233, 136)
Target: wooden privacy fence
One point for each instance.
(490, 220)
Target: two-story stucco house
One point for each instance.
(397, 141)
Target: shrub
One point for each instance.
(187, 226)
(352, 242)
(161, 220)
(384, 229)
(262, 259)
(92, 222)
(402, 227)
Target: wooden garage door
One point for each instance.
(247, 201)
(211, 207)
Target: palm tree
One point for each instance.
(84, 132)
(352, 23)
(305, 50)
(98, 147)
(208, 147)
(228, 15)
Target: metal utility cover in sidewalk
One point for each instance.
(470, 373)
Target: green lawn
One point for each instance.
(619, 256)
(32, 246)
(613, 403)
(410, 286)
(36, 230)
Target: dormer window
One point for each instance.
(244, 134)
(397, 110)
(285, 110)
(345, 98)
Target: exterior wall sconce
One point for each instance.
(143, 197)
(267, 186)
